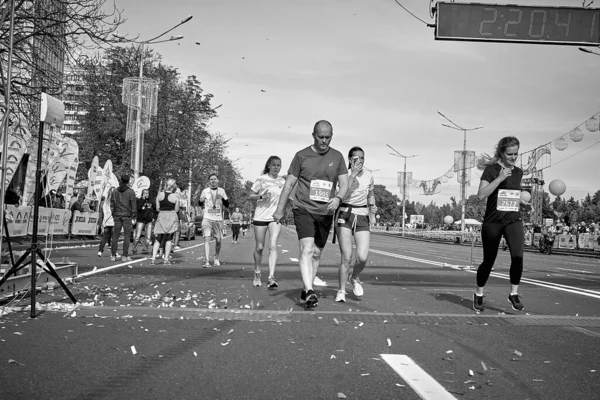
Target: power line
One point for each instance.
(572, 155)
(408, 11)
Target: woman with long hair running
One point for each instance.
(167, 222)
(501, 186)
(145, 216)
(266, 191)
(353, 219)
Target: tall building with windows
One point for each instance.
(73, 90)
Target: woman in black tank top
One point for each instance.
(167, 222)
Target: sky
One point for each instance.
(380, 77)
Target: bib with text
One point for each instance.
(508, 200)
(320, 190)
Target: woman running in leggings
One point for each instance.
(501, 186)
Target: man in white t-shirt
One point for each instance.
(212, 200)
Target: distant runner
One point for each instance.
(213, 199)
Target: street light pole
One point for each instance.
(463, 180)
(138, 119)
(137, 158)
(403, 183)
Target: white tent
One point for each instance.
(468, 221)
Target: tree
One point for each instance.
(389, 206)
(475, 208)
(46, 32)
(177, 145)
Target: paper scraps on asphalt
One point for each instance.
(341, 395)
(337, 322)
(11, 361)
(484, 366)
(389, 343)
(133, 350)
(195, 354)
(517, 352)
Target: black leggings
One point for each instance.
(491, 234)
(235, 230)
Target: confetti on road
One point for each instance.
(361, 324)
(365, 374)
(471, 372)
(449, 351)
(195, 354)
(399, 385)
(337, 322)
(133, 350)
(18, 333)
(538, 380)
(484, 366)
(389, 343)
(341, 396)
(11, 361)
(517, 352)
(230, 332)
(332, 357)
(73, 314)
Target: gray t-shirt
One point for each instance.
(317, 178)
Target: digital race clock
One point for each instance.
(521, 24)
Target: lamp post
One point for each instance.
(463, 181)
(138, 122)
(403, 183)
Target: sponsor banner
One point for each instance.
(417, 219)
(140, 184)
(59, 221)
(59, 166)
(548, 221)
(528, 239)
(43, 221)
(566, 241)
(589, 242)
(85, 223)
(17, 220)
(537, 237)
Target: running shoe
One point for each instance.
(272, 283)
(340, 296)
(515, 300)
(207, 265)
(177, 247)
(99, 254)
(303, 295)
(217, 263)
(115, 258)
(126, 258)
(311, 299)
(152, 261)
(319, 282)
(477, 302)
(356, 284)
(257, 281)
(167, 262)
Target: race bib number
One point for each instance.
(216, 210)
(320, 190)
(508, 200)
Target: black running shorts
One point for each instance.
(347, 221)
(313, 226)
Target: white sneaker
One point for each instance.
(207, 265)
(99, 254)
(177, 248)
(217, 263)
(319, 282)
(357, 288)
(257, 280)
(340, 296)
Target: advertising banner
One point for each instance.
(566, 241)
(59, 221)
(59, 166)
(43, 221)
(417, 219)
(17, 219)
(85, 223)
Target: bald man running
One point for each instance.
(317, 170)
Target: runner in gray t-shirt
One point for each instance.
(316, 170)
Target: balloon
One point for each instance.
(557, 187)
(448, 219)
(525, 196)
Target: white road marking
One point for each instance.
(422, 383)
(550, 285)
(96, 271)
(575, 270)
